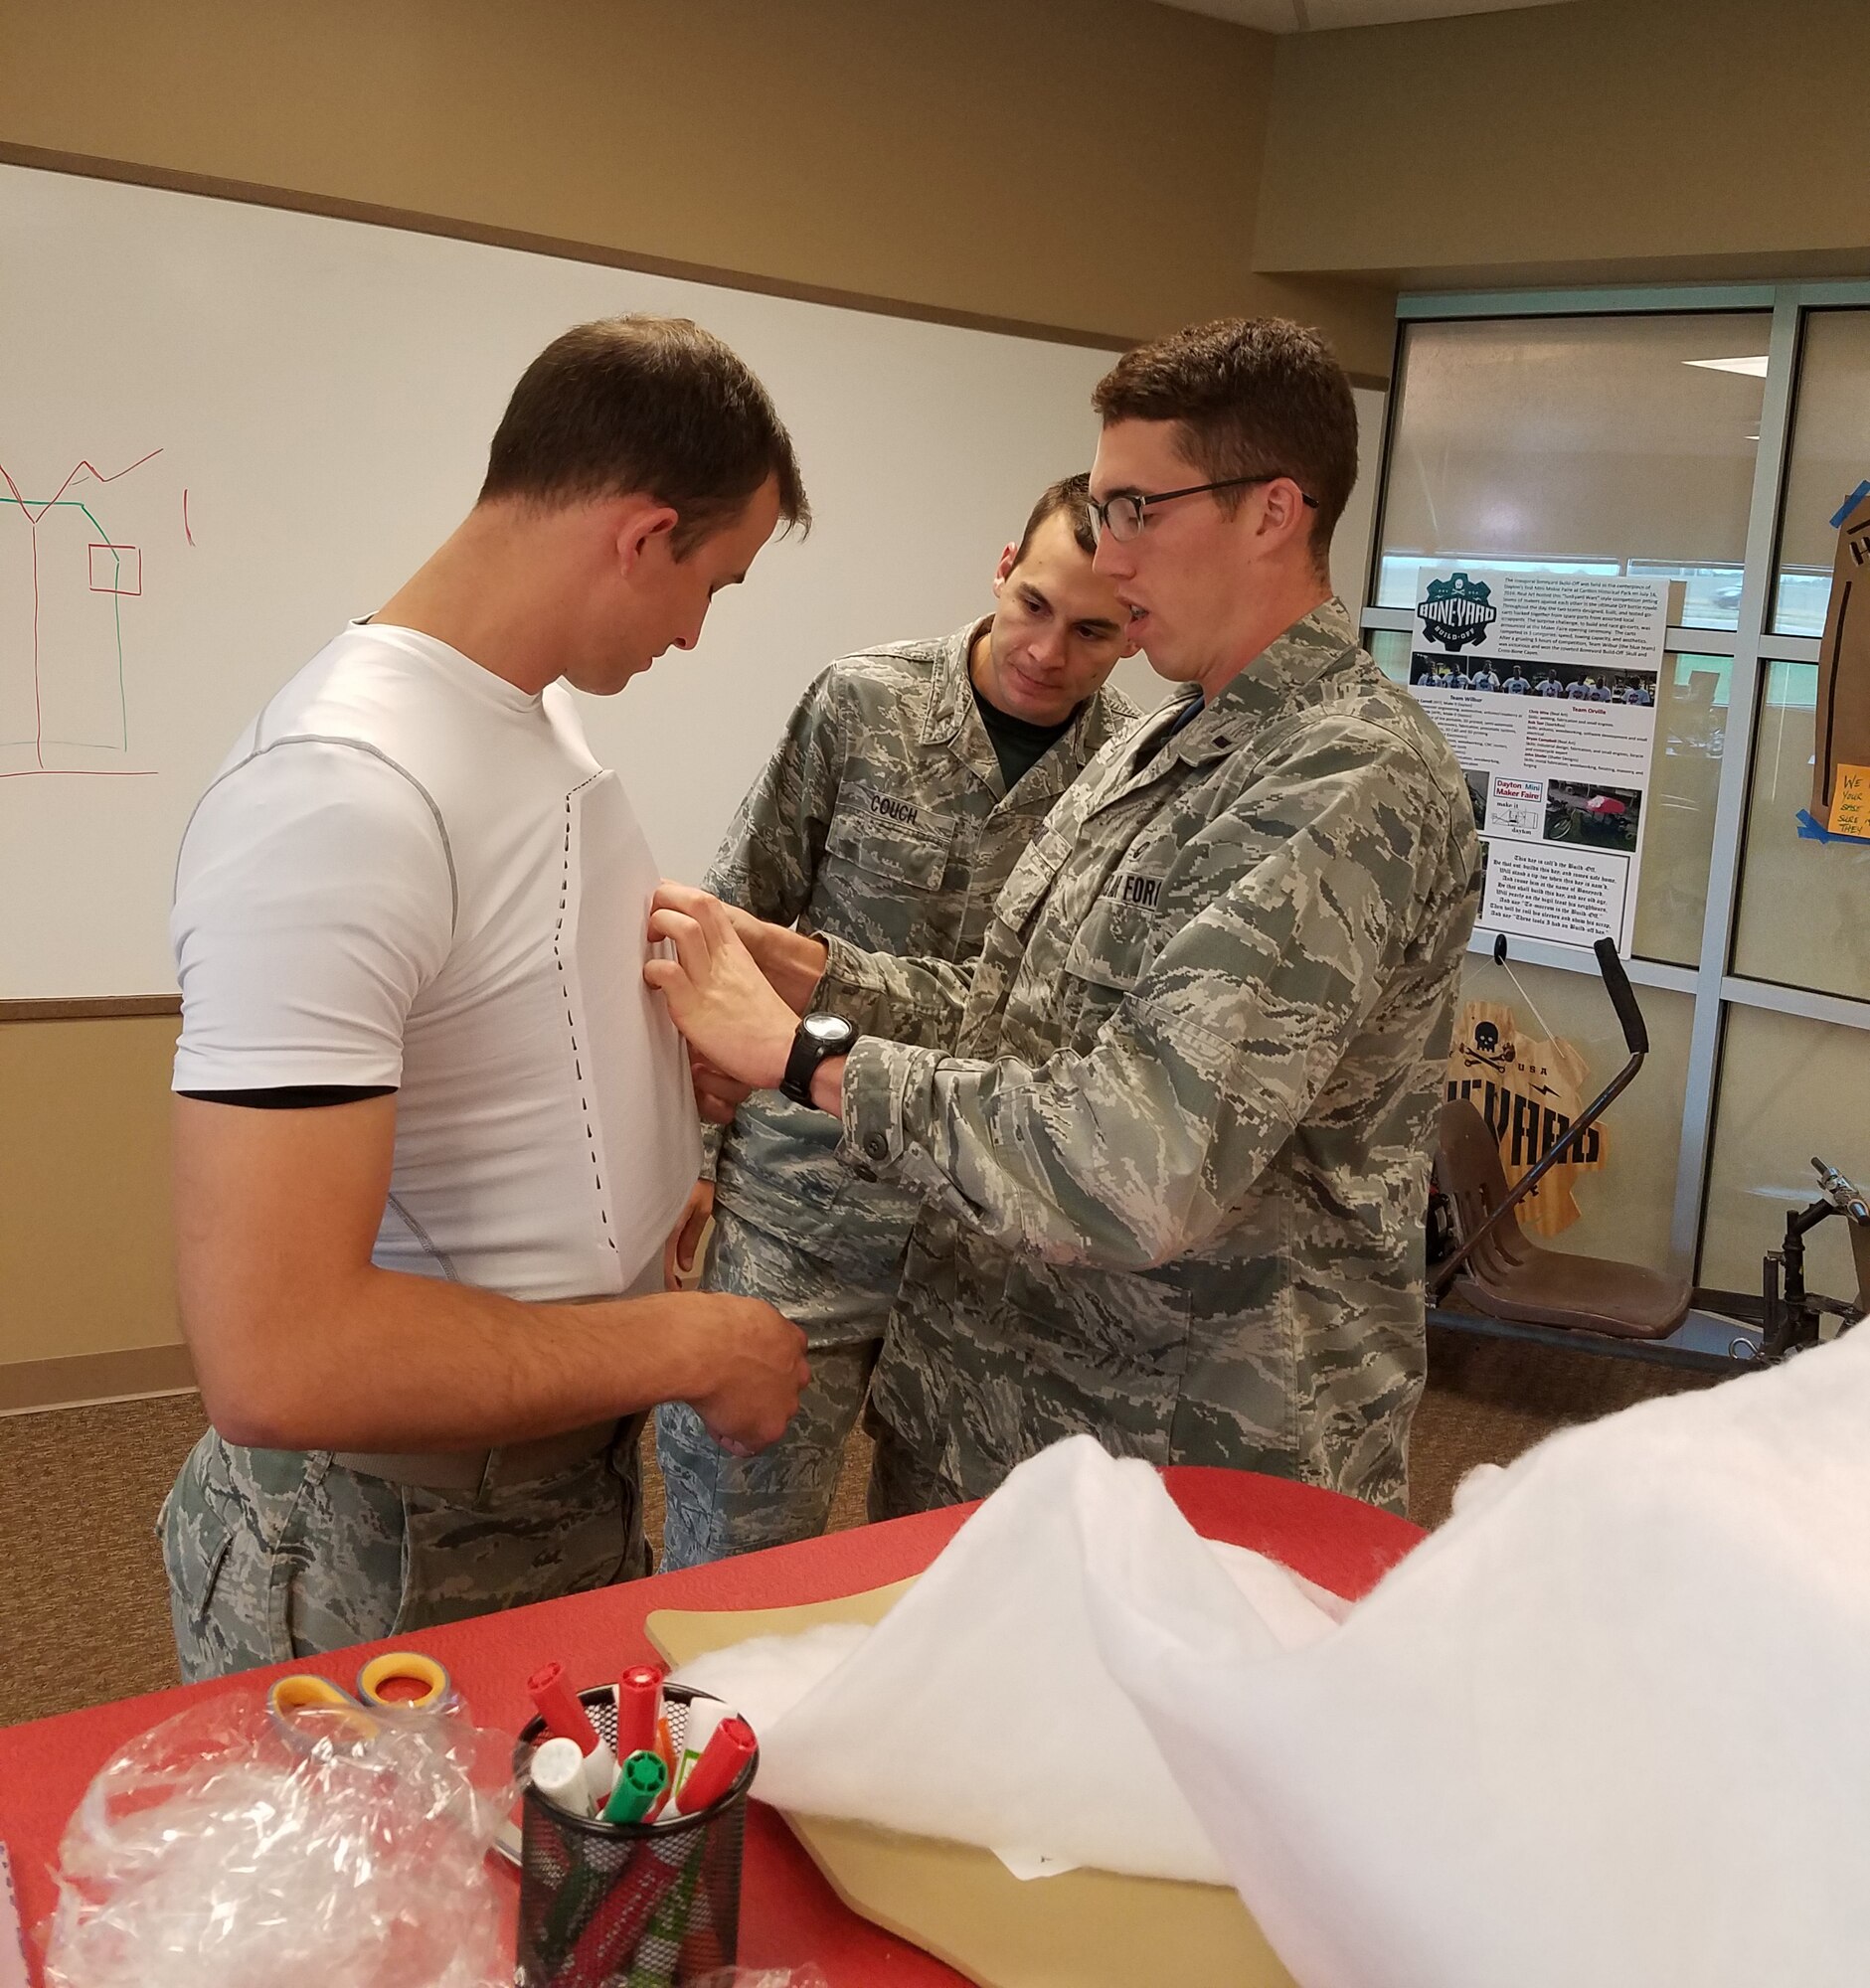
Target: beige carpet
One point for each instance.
(86, 1615)
(1489, 1400)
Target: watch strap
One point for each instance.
(807, 1052)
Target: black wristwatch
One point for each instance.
(819, 1036)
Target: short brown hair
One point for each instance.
(1072, 495)
(1249, 397)
(645, 403)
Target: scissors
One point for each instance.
(397, 1681)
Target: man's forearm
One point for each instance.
(917, 1001)
(794, 962)
(302, 1342)
(387, 1361)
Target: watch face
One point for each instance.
(827, 1028)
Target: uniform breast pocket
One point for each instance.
(877, 847)
(1031, 878)
(1112, 947)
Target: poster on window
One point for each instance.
(1545, 685)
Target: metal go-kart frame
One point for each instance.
(1509, 1287)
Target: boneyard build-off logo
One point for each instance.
(1528, 1092)
(1457, 610)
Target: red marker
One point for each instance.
(719, 1767)
(565, 1717)
(638, 1707)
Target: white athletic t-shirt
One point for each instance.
(409, 873)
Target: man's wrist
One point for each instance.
(775, 1056)
(669, 1343)
(798, 964)
(827, 1086)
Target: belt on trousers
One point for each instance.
(483, 1469)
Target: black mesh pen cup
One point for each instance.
(608, 1903)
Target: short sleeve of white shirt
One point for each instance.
(314, 900)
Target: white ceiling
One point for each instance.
(1291, 17)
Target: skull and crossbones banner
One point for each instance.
(1529, 1089)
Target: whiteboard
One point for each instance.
(225, 429)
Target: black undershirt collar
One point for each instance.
(1018, 745)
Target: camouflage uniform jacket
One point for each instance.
(882, 818)
(1178, 1149)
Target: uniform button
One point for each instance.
(877, 1146)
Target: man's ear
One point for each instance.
(1009, 559)
(1283, 509)
(642, 526)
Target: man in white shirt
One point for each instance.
(431, 1130)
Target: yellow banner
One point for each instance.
(1528, 1090)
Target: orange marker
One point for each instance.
(665, 1749)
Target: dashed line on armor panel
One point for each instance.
(571, 1020)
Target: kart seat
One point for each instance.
(1511, 1276)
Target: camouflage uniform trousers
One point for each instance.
(276, 1553)
(721, 1504)
(903, 1480)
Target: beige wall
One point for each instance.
(84, 1260)
(1091, 167)
(1605, 140)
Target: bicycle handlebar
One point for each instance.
(1842, 1193)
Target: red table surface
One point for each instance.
(789, 1916)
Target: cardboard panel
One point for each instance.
(1840, 770)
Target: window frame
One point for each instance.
(1716, 988)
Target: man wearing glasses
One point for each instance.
(908, 781)
(1174, 1131)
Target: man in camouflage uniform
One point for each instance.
(908, 781)
(1177, 1147)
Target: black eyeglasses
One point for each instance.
(1124, 515)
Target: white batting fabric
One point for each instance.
(980, 1709)
(1611, 1725)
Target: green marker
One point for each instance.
(643, 1777)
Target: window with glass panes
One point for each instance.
(1706, 436)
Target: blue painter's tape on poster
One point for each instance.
(1844, 510)
(1809, 831)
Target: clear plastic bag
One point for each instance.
(230, 1848)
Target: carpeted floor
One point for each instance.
(85, 1609)
(1489, 1400)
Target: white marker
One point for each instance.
(703, 1714)
(600, 1772)
(560, 1774)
